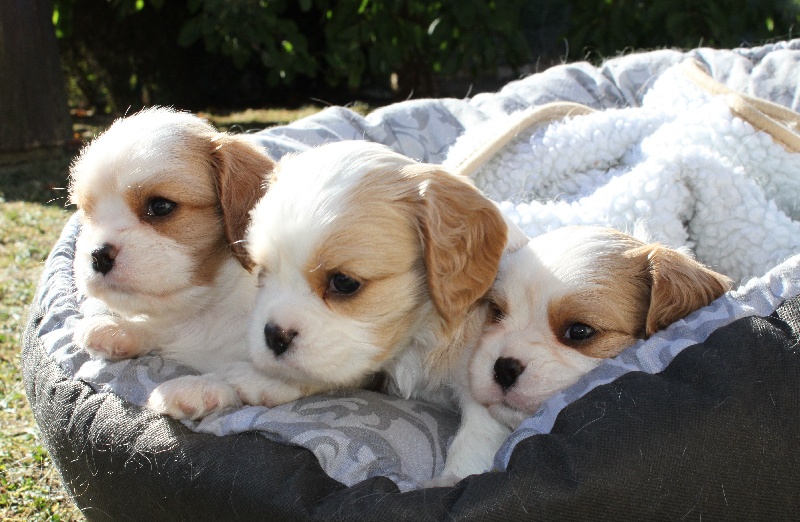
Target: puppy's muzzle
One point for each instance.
(278, 339)
(103, 258)
(506, 371)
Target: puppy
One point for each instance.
(560, 305)
(379, 268)
(163, 200)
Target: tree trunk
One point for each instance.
(33, 100)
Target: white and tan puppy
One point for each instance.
(164, 201)
(369, 261)
(560, 305)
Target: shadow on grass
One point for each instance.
(42, 175)
(39, 176)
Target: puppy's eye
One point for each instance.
(343, 284)
(496, 314)
(579, 332)
(160, 207)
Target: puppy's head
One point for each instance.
(570, 298)
(164, 201)
(361, 253)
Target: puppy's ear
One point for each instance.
(464, 235)
(242, 170)
(679, 285)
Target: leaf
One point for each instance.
(433, 26)
(191, 31)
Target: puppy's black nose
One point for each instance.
(103, 258)
(278, 339)
(506, 371)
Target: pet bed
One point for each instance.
(699, 421)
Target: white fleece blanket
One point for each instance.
(686, 163)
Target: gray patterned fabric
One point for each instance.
(359, 434)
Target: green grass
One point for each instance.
(31, 218)
(32, 214)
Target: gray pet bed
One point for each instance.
(700, 420)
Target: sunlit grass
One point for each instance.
(30, 488)
(258, 119)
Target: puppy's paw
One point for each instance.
(445, 480)
(269, 392)
(257, 388)
(110, 337)
(192, 397)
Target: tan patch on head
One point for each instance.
(84, 199)
(219, 181)
(614, 316)
(195, 221)
(607, 290)
(628, 290)
(375, 243)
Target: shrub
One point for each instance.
(609, 26)
(231, 53)
(272, 48)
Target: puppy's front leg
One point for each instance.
(196, 396)
(474, 446)
(112, 337)
(260, 389)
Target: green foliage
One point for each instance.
(421, 40)
(263, 45)
(609, 26)
(360, 39)
(120, 53)
(243, 30)
(116, 53)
